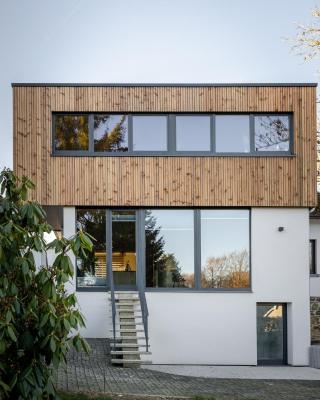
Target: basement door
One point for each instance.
(272, 333)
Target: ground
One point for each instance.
(94, 374)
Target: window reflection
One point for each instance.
(232, 134)
(149, 133)
(193, 133)
(271, 133)
(71, 132)
(225, 249)
(169, 248)
(110, 132)
(92, 271)
(124, 264)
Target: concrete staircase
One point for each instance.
(129, 347)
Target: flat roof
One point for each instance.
(18, 84)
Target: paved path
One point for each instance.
(239, 372)
(95, 374)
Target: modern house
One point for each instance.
(198, 197)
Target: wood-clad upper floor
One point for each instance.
(161, 180)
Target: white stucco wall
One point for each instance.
(220, 328)
(315, 279)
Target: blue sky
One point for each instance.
(146, 41)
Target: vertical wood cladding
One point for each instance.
(165, 181)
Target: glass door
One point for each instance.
(124, 255)
(271, 333)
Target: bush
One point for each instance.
(39, 320)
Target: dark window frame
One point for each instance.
(313, 244)
(140, 252)
(171, 137)
(284, 360)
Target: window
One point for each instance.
(232, 134)
(271, 133)
(169, 248)
(193, 133)
(110, 132)
(106, 134)
(149, 133)
(92, 271)
(312, 256)
(124, 262)
(182, 249)
(71, 132)
(225, 249)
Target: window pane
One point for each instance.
(149, 133)
(169, 248)
(225, 249)
(110, 132)
(232, 134)
(124, 263)
(92, 271)
(270, 326)
(272, 133)
(71, 132)
(312, 256)
(193, 133)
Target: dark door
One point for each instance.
(124, 256)
(272, 333)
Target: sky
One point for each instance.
(147, 41)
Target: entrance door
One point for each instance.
(124, 256)
(271, 333)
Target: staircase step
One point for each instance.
(127, 330)
(129, 345)
(130, 323)
(121, 361)
(133, 304)
(128, 338)
(129, 352)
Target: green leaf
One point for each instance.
(66, 324)
(53, 346)
(2, 346)
(11, 333)
(44, 320)
(4, 386)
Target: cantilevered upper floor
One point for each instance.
(167, 145)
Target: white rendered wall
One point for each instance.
(93, 305)
(220, 328)
(315, 279)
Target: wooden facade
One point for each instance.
(288, 181)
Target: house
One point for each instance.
(314, 267)
(198, 197)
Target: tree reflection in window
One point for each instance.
(110, 132)
(92, 270)
(169, 243)
(227, 271)
(71, 132)
(272, 133)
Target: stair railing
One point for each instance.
(113, 309)
(145, 314)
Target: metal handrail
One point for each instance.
(113, 306)
(145, 314)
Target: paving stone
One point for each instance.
(94, 373)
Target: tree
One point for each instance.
(230, 270)
(114, 137)
(307, 44)
(307, 41)
(39, 320)
(162, 268)
(72, 132)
